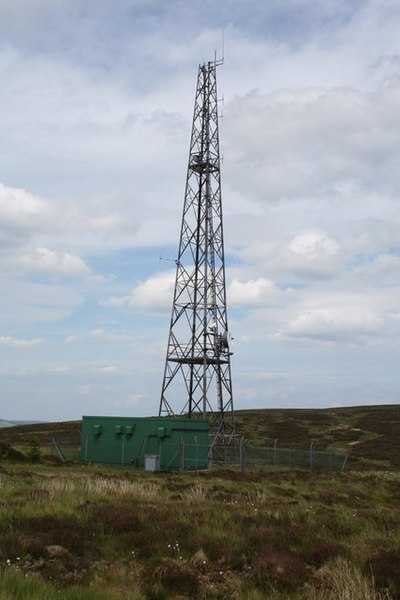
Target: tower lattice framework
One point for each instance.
(197, 376)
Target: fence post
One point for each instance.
(275, 443)
(346, 458)
(58, 449)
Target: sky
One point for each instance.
(96, 106)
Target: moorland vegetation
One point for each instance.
(77, 532)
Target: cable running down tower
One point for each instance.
(197, 376)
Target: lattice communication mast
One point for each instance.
(197, 377)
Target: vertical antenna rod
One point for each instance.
(197, 376)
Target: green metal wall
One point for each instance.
(126, 441)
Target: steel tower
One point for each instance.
(197, 376)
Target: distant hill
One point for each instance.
(4, 423)
(370, 433)
(21, 434)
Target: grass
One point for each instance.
(80, 532)
(15, 585)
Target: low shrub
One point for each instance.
(34, 451)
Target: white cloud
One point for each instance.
(381, 270)
(252, 292)
(335, 324)
(312, 255)
(70, 339)
(307, 143)
(312, 245)
(55, 263)
(100, 334)
(59, 369)
(26, 302)
(107, 370)
(21, 213)
(116, 301)
(131, 401)
(20, 343)
(33, 232)
(86, 390)
(154, 294)
(18, 204)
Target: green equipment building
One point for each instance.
(154, 443)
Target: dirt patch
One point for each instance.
(56, 563)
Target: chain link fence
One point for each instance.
(294, 458)
(66, 449)
(231, 453)
(237, 454)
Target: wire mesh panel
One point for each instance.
(66, 448)
(215, 455)
(294, 458)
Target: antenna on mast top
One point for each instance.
(220, 61)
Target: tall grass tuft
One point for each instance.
(196, 493)
(121, 487)
(340, 580)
